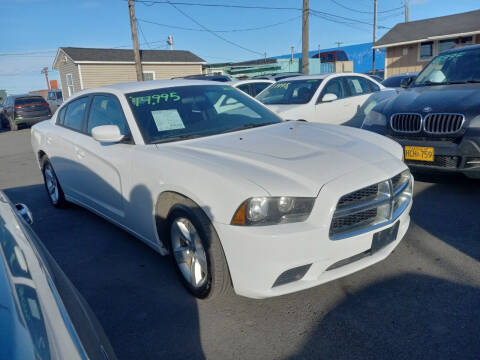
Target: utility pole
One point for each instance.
(338, 43)
(136, 51)
(319, 52)
(407, 11)
(45, 71)
(292, 49)
(305, 21)
(374, 32)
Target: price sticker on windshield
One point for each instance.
(155, 99)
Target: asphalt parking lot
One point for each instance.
(421, 302)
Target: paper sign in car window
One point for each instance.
(357, 86)
(166, 120)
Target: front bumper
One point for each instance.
(461, 155)
(258, 256)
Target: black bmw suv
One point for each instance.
(437, 118)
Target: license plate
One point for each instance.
(419, 153)
(384, 237)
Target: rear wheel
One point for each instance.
(197, 253)
(54, 190)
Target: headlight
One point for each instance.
(273, 210)
(374, 118)
(475, 122)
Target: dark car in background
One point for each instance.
(278, 76)
(220, 78)
(332, 56)
(400, 80)
(437, 118)
(24, 110)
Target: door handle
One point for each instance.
(49, 139)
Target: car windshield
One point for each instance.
(290, 92)
(184, 112)
(59, 95)
(451, 68)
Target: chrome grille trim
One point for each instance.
(443, 123)
(358, 217)
(406, 122)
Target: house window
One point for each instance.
(426, 50)
(451, 43)
(70, 84)
(148, 75)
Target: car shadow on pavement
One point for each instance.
(134, 291)
(454, 218)
(405, 317)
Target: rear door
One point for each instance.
(103, 169)
(360, 90)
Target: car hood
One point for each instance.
(294, 157)
(458, 98)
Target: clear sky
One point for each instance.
(36, 28)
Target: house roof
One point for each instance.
(79, 55)
(458, 24)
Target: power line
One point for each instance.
(214, 33)
(220, 31)
(342, 19)
(152, 2)
(365, 12)
(143, 35)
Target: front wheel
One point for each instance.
(198, 254)
(54, 190)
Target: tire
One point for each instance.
(52, 185)
(214, 281)
(13, 126)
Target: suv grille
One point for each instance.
(443, 124)
(374, 205)
(406, 123)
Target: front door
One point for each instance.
(337, 111)
(105, 168)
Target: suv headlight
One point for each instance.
(273, 210)
(374, 118)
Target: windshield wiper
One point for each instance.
(247, 126)
(177, 138)
(473, 81)
(432, 83)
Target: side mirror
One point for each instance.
(25, 213)
(107, 134)
(405, 82)
(329, 97)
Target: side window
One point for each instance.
(373, 86)
(61, 115)
(75, 114)
(259, 87)
(51, 96)
(358, 86)
(106, 110)
(335, 86)
(245, 88)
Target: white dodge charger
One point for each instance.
(238, 197)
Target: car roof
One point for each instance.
(249, 81)
(24, 95)
(463, 48)
(149, 85)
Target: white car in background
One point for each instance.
(239, 198)
(328, 98)
(251, 87)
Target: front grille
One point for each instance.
(361, 195)
(374, 205)
(444, 161)
(342, 223)
(406, 122)
(443, 124)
